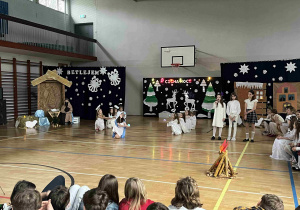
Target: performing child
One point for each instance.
(250, 116)
(219, 116)
(233, 111)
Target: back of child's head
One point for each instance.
(109, 184)
(95, 199)
(135, 191)
(157, 206)
(271, 202)
(60, 197)
(28, 199)
(274, 111)
(187, 194)
(21, 186)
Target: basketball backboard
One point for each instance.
(184, 55)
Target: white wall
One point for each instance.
(37, 13)
(131, 34)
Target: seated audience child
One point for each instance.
(60, 197)
(268, 201)
(95, 199)
(109, 184)
(187, 195)
(276, 121)
(266, 122)
(290, 111)
(157, 206)
(135, 196)
(28, 199)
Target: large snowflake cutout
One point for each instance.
(290, 67)
(94, 84)
(244, 69)
(103, 70)
(114, 77)
(59, 71)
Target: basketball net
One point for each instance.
(175, 66)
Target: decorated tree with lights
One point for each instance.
(209, 99)
(151, 99)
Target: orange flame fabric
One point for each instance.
(224, 146)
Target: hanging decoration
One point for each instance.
(203, 84)
(250, 85)
(114, 77)
(157, 85)
(94, 84)
(150, 100)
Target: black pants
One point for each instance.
(295, 155)
(59, 180)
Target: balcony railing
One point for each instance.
(25, 32)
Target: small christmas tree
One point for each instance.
(209, 99)
(203, 84)
(151, 99)
(157, 85)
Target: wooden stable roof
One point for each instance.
(51, 75)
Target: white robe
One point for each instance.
(99, 124)
(193, 121)
(110, 122)
(184, 126)
(176, 129)
(278, 152)
(118, 130)
(219, 115)
(188, 122)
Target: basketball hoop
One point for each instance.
(175, 66)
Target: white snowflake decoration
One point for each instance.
(143, 92)
(114, 77)
(196, 90)
(66, 90)
(273, 79)
(76, 90)
(76, 77)
(82, 83)
(77, 94)
(76, 84)
(270, 97)
(194, 79)
(109, 92)
(110, 103)
(255, 76)
(82, 104)
(162, 103)
(166, 89)
(100, 89)
(145, 81)
(117, 95)
(228, 81)
(121, 99)
(103, 70)
(83, 77)
(265, 71)
(101, 104)
(104, 80)
(181, 98)
(71, 98)
(290, 67)
(171, 84)
(255, 67)
(90, 98)
(186, 84)
(274, 66)
(268, 102)
(83, 91)
(197, 83)
(89, 104)
(235, 74)
(197, 101)
(269, 84)
(166, 95)
(244, 69)
(280, 78)
(66, 77)
(226, 92)
(59, 71)
(97, 97)
(103, 96)
(94, 84)
(217, 82)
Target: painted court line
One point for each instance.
(147, 180)
(293, 185)
(229, 181)
(128, 157)
(138, 145)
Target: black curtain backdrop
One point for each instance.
(91, 86)
(164, 91)
(261, 71)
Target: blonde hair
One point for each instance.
(135, 191)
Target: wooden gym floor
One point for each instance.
(151, 153)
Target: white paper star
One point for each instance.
(166, 89)
(59, 71)
(270, 97)
(82, 104)
(280, 78)
(235, 74)
(255, 67)
(103, 70)
(197, 83)
(226, 92)
(273, 79)
(274, 66)
(217, 82)
(255, 76)
(269, 84)
(268, 102)
(265, 71)
(196, 90)
(290, 67)
(145, 81)
(244, 69)
(228, 81)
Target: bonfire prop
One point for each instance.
(222, 167)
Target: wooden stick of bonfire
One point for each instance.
(222, 166)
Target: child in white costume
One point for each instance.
(233, 111)
(278, 149)
(175, 125)
(188, 119)
(99, 124)
(193, 119)
(111, 118)
(219, 116)
(119, 129)
(182, 122)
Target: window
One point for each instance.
(286, 90)
(282, 98)
(291, 97)
(54, 4)
(259, 95)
